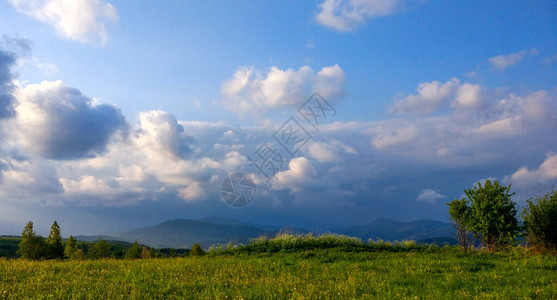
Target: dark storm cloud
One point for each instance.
(7, 59)
(69, 124)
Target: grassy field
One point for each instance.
(306, 274)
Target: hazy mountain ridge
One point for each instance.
(183, 233)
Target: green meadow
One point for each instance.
(444, 273)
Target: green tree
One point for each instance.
(540, 221)
(55, 246)
(31, 245)
(101, 249)
(134, 252)
(196, 250)
(492, 214)
(145, 253)
(71, 248)
(460, 218)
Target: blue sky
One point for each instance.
(123, 114)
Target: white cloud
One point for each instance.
(300, 172)
(251, 92)
(328, 152)
(395, 136)
(193, 193)
(501, 62)
(526, 177)
(161, 133)
(347, 15)
(468, 95)
(79, 20)
(429, 196)
(431, 96)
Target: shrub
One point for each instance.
(540, 221)
(196, 250)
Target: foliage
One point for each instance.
(145, 253)
(134, 252)
(101, 249)
(540, 221)
(492, 214)
(311, 274)
(72, 251)
(31, 246)
(196, 250)
(55, 246)
(459, 212)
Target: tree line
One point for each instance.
(488, 216)
(35, 247)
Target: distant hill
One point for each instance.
(183, 233)
(391, 230)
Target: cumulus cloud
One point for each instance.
(193, 193)
(251, 91)
(429, 196)
(161, 133)
(79, 20)
(431, 96)
(347, 15)
(503, 61)
(546, 172)
(300, 172)
(328, 152)
(24, 178)
(58, 122)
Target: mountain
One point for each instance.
(182, 233)
(391, 230)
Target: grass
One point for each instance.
(309, 274)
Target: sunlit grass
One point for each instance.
(306, 274)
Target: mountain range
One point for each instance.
(183, 233)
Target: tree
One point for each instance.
(492, 214)
(540, 221)
(145, 253)
(196, 250)
(101, 249)
(55, 246)
(31, 246)
(460, 218)
(71, 250)
(134, 252)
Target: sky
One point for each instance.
(117, 115)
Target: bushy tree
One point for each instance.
(133, 252)
(196, 250)
(145, 253)
(540, 221)
(492, 214)
(55, 246)
(31, 245)
(71, 251)
(101, 249)
(460, 219)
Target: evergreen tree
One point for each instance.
(196, 250)
(54, 242)
(101, 249)
(134, 252)
(31, 246)
(71, 248)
